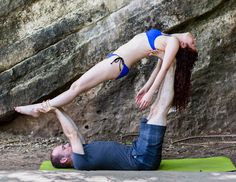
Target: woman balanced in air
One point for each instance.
(179, 47)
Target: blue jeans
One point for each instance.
(147, 149)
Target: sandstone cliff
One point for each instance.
(46, 45)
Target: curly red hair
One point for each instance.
(185, 61)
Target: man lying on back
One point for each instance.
(144, 153)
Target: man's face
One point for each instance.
(64, 150)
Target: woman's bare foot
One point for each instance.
(31, 110)
(35, 109)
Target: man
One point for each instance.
(143, 154)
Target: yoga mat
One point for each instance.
(210, 164)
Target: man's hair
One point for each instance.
(185, 61)
(55, 160)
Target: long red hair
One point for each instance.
(185, 61)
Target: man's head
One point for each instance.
(61, 156)
(187, 40)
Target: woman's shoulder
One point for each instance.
(172, 39)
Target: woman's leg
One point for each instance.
(99, 73)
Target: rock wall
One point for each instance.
(46, 45)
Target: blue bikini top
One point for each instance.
(152, 35)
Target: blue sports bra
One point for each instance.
(152, 35)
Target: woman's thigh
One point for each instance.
(99, 73)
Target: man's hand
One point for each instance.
(158, 53)
(46, 107)
(153, 53)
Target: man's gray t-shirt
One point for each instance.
(143, 154)
(105, 155)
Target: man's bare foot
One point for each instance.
(31, 110)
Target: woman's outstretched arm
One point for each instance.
(149, 83)
(172, 47)
(153, 75)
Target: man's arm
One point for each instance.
(71, 131)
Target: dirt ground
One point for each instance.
(27, 152)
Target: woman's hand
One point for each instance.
(140, 94)
(145, 101)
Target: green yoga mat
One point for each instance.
(210, 164)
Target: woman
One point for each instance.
(153, 42)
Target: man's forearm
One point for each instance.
(71, 131)
(78, 132)
(67, 124)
